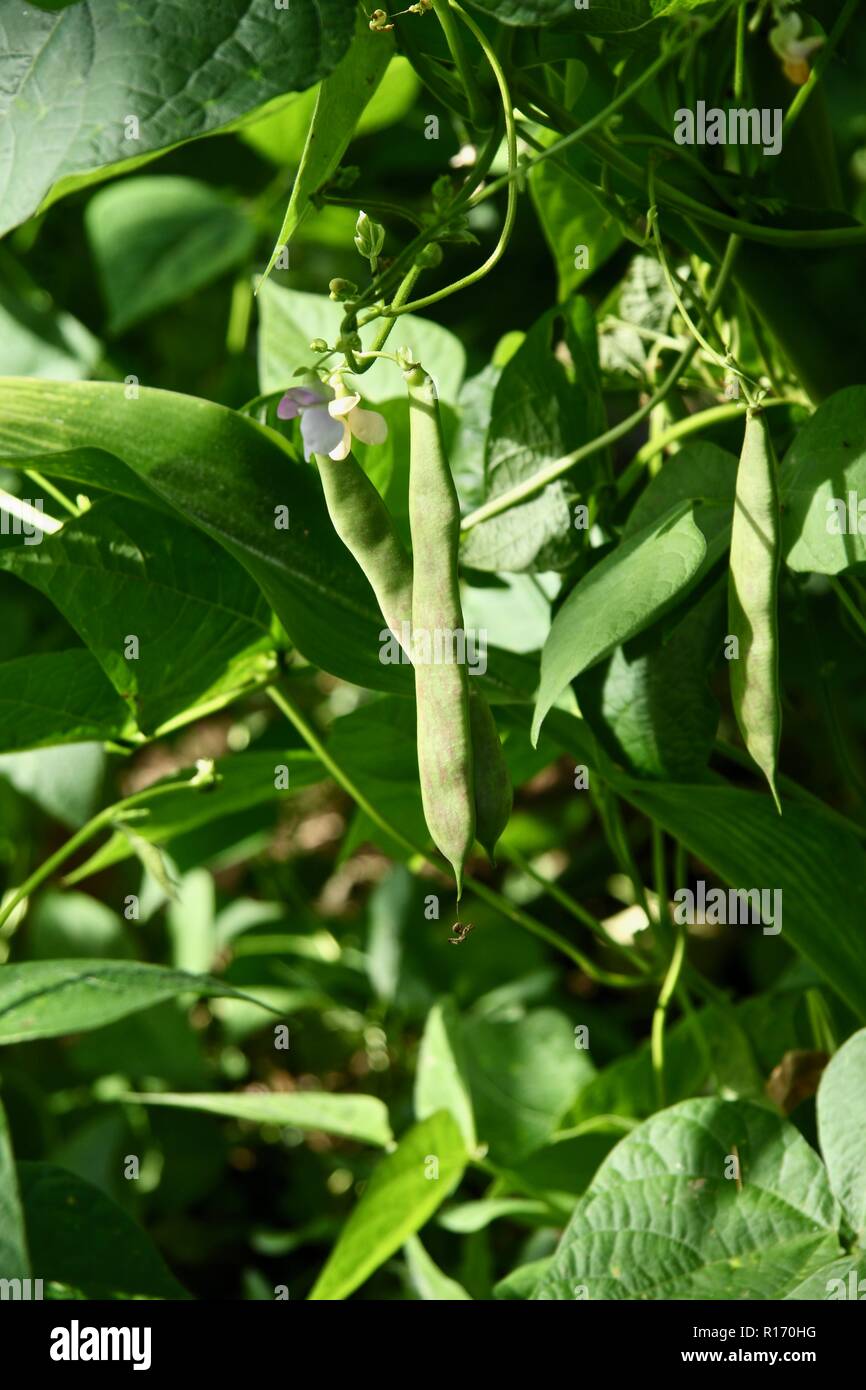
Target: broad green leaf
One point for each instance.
(822, 480)
(523, 1280)
(440, 1076)
(540, 412)
(235, 480)
(842, 1128)
(388, 910)
(244, 780)
(620, 597)
(70, 925)
(81, 1238)
(428, 1279)
(364, 1118)
(405, 1190)
(48, 999)
(524, 1074)
(709, 1199)
(190, 923)
(740, 837)
(641, 300)
(14, 1259)
(156, 240)
(281, 136)
(202, 626)
(734, 1047)
(844, 1279)
(290, 319)
(699, 471)
(59, 698)
(468, 1217)
(575, 226)
(651, 706)
(38, 340)
(75, 78)
(341, 99)
(64, 782)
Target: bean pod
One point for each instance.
(442, 682)
(364, 525)
(753, 583)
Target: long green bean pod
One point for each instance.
(441, 678)
(364, 525)
(753, 583)
(493, 794)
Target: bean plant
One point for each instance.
(432, 623)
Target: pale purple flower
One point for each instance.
(329, 418)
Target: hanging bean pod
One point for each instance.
(753, 583)
(441, 679)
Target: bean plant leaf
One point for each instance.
(201, 627)
(440, 1076)
(243, 781)
(581, 234)
(14, 1257)
(651, 705)
(159, 239)
(290, 319)
(540, 412)
(428, 1279)
(737, 835)
(523, 1075)
(709, 1199)
(48, 999)
(405, 1190)
(37, 339)
(842, 1128)
(631, 588)
(79, 1237)
(364, 1118)
(59, 697)
(237, 481)
(140, 79)
(822, 480)
(341, 99)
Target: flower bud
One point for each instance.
(369, 236)
(430, 256)
(341, 290)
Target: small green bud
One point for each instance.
(341, 290)
(430, 257)
(318, 345)
(369, 236)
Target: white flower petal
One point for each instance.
(341, 450)
(343, 404)
(368, 426)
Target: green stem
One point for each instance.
(375, 206)
(52, 491)
(511, 209)
(580, 913)
(479, 111)
(726, 363)
(657, 1041)
(417, 855)
(574, 137)
(407, 284)
(555, 469)
(104, 818)
(681, 429)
